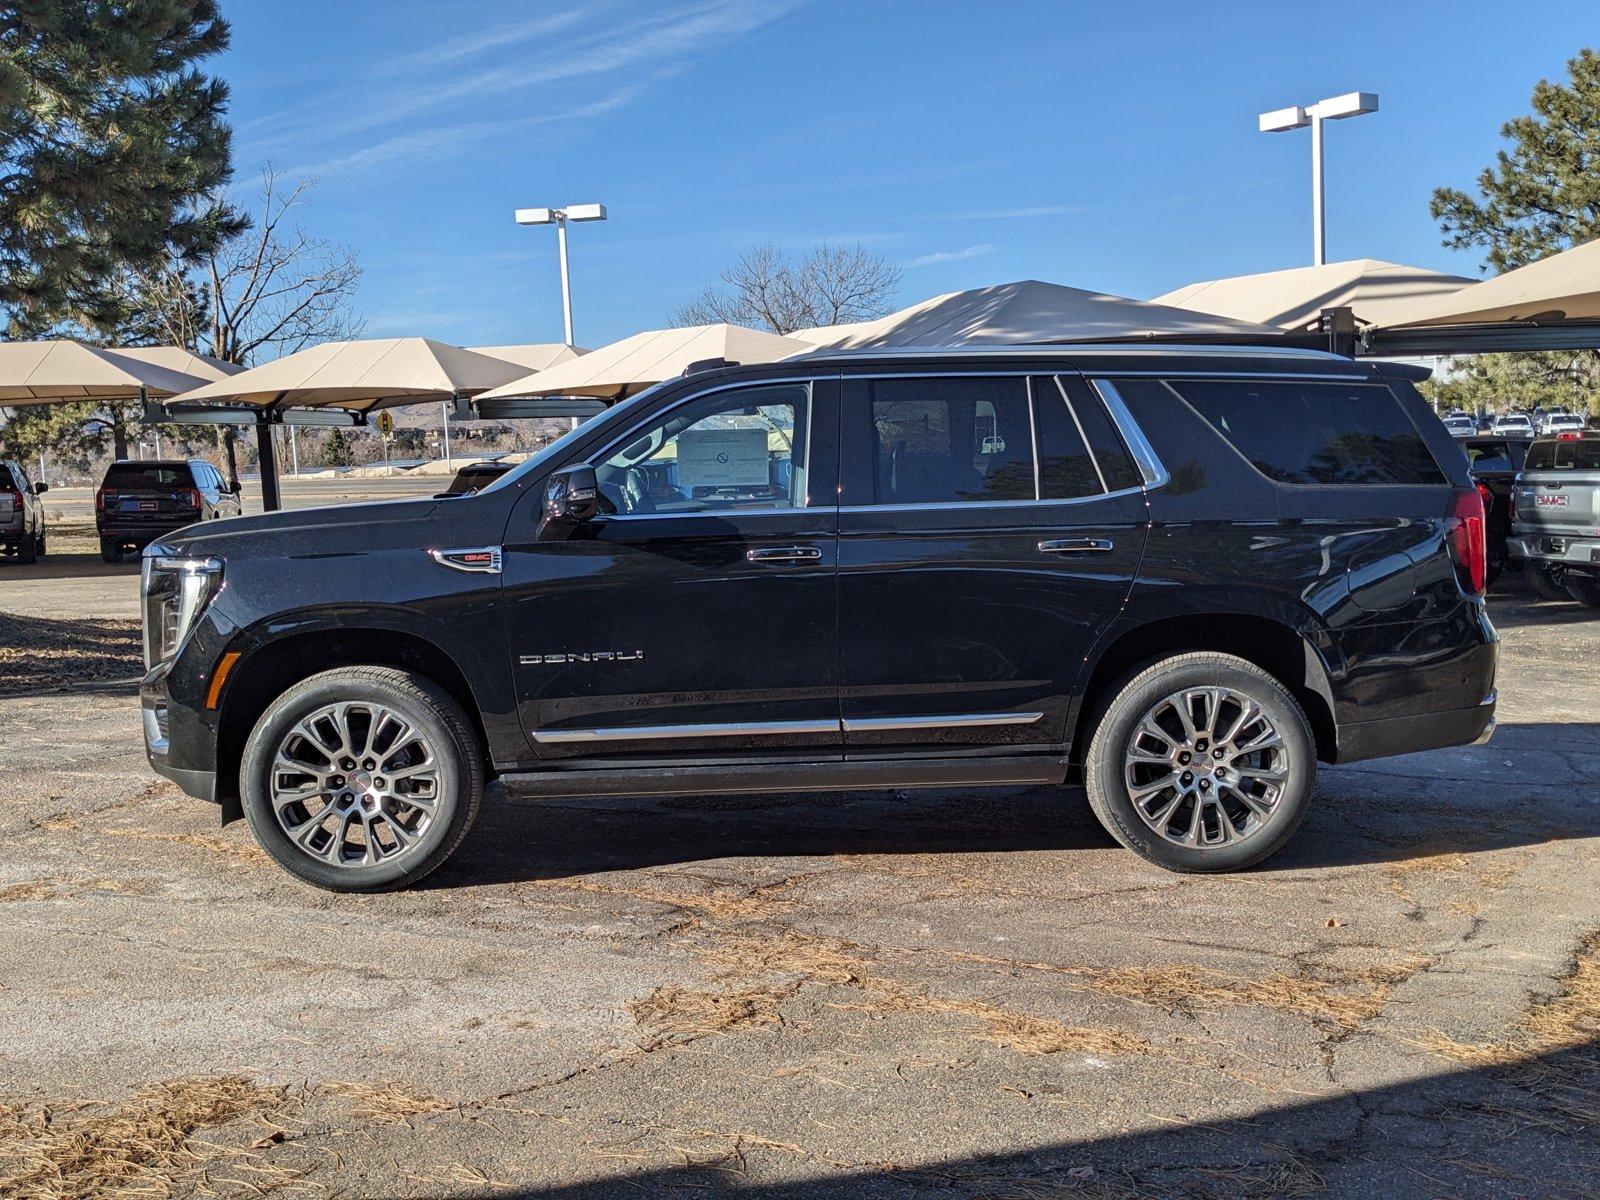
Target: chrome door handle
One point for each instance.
(1076, 546)
(781, 554)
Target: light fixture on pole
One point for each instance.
(559, 218)
(1335, 108)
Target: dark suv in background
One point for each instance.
(139, 500)
(1185, 575)
(21, 515)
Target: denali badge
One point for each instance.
(599, 656)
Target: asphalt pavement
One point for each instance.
(923, 994)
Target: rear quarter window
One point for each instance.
(151, 476)
(6, 482)
(1310, 433)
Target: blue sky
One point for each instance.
(1105, 145)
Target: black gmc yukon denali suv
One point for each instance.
(1186, 575)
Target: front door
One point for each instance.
(697, 616)
(990, 528)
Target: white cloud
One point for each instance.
(945, 256)
(503, 69)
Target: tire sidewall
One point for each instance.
(455, 777)
(1137, 696)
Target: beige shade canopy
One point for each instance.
(1030, 312)
(619, 370)
(362, 375)
(62, 370)
(1562, 287)
(1295, 298)
(176, 358)
(535, 356)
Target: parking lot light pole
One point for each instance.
(559, 218)
(1335, 108)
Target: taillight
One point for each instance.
(1487, 497)
(189, 498)
(103, 497)
(1569, 437)
(1464, 528)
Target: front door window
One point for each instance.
(733, 451)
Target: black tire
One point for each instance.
(437, 718)
(1585, 589)
(43, 546)
(1113, 737)
(110, 551)
(1544, 583)
(27, 550)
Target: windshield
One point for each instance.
(556, 448)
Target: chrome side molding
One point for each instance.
(630, 733)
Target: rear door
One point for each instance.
(990, 527)
(1559, 489)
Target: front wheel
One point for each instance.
(1201, 763)
(362, 779)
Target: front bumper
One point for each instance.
(1560, 549)
(179, 741)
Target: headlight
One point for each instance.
(175, 591)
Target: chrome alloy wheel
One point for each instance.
(354, 784)
(1205, 767)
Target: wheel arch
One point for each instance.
(272, 665)
(1270, 642)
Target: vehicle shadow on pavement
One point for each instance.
(1463, 801)
(1519, 1126)
(39, 655)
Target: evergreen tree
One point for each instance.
(1541, 196)
(109, 139)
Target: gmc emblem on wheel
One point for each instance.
(598, 656)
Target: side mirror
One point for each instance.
(236, 487)
(571, 497)
(40, 488)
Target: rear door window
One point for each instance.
(1569, 454)
(941, 441)
(153, 477)
(1307, 433)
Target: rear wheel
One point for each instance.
(362, 779)
(110, 551)
(1585, 589)
(1546, 583)
(42, 545)
(1202, 762)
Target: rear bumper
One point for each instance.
(1362, 740)
(1560, 548)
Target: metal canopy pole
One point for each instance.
(267, 460)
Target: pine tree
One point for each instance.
(1541, 196)
(109, 139)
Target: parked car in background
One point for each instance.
(476, 476)
(22, 532)
(1494, 462)
(1563, 423)
(140, 500)
(1517, 423)
(1557, 524)
(1461, 426)
(1187, 573)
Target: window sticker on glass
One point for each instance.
(722, 458)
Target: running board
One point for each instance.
(787, 777)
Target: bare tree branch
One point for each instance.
(766, 290)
